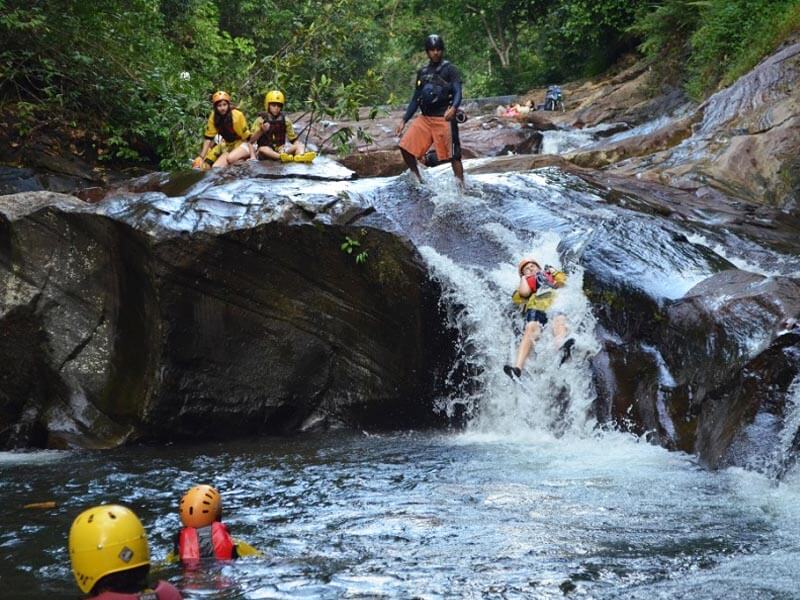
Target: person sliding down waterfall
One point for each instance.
(535, 294)
(437, 94)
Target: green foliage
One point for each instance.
(350, 245)
(666, 31)
(114, 61)
(139, 72)
(733, 36)
(326, 98)
(582, 38)
(710, 43)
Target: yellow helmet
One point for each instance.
(200, 506)
(103, 540)
(275, 96)
(220, 95)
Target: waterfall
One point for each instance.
(471, 243)
(549, 397)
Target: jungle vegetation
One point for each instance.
(140, 71)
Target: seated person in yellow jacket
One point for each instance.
(273, 135)
(231, 124)
(535, 294)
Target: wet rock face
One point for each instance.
(759, 395)
(62, 281)
(641, 145)
(744, 141)
(692, 372)
(115, 329)
(269, 327)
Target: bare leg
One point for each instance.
(560, 332)
(411, 162)
(242, 152)
(221, 162)
(296, 148)
(560, 329)
(268, 152)
(533, 330)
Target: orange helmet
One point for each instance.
(220, 95)
(200, 506)
(526, 261)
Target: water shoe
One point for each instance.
(306, 157)
(566, 351)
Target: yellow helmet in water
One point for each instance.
(220, 95)
(103, 540)
(274, 96)
(200, 506)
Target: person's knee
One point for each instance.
(560, 324)
(533, 329)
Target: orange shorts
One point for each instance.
(427, 131)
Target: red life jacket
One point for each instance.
(276, 136)
(542, 277)
(163, 591)
(207, 542)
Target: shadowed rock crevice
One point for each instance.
(24, 388)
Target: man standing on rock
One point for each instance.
(437, 94)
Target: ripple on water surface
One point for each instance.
(431, 516)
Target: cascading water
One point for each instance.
(498, 220)
(529, 501)
(550, 396)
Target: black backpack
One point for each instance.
(435, 90)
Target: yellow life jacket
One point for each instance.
(542, 298)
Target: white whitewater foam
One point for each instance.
(549, 396)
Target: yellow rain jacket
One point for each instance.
(233, 139)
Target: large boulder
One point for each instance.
(668, 365)
(763, 396)
(150, 316)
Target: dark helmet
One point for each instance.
(434, 41)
